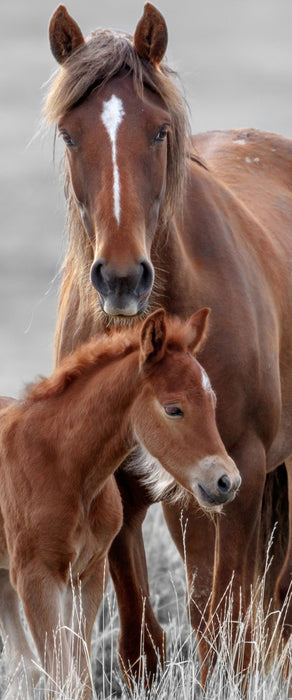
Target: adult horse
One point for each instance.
(158, 219)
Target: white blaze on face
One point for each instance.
(206, 385)
(111, 117)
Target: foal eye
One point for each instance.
(67, 139)
(173, 410)
(162, 134)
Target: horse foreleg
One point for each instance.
(283, 586)
(23, 666)
(193, 533)
(141, 637)
(235, 563)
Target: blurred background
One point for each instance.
(235, 62)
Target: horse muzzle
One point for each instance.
(216, 485)
(122, 292)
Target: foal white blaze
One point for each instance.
(207, 386)
(112, 116)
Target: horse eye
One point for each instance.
(67, 139)
(173, 410)
(162, 134)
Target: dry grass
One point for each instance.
(180, 678)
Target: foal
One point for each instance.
(60, 506)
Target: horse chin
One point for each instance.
(120, 321)
(117, 317)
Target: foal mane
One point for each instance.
(98, 353)
(104, 55)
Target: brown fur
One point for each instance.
(60, 505)
(225, 242)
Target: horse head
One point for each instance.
(123, 124)
(174, 415)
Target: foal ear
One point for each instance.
(150, 38)
(64, 34)
(196, 330)
(153, 338)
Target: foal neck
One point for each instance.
(83, 420)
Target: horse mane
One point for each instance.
(97, 353)
(105, 54)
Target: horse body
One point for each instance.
(60, 504)
(257, 169)
(159, 219)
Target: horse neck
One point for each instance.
(175, 275)
(199, 237)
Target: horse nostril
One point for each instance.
(97, 277)
(145, 280)
(135, 282)
(224, 484)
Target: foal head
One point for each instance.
(174, 415)
(124, 125)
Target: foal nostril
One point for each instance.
(97, 277)
(224, 484)
(145, 280)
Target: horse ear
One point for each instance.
(153, 338)
(150, 38)
(196, 330)
(64, 34)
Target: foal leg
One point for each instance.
(81, 603)
(129, 573)
(42, 596)
(22, 662)
(283, 586)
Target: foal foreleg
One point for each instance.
(23, 666)
(42, 596)
(82, 601)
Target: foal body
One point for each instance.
(60, 505)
